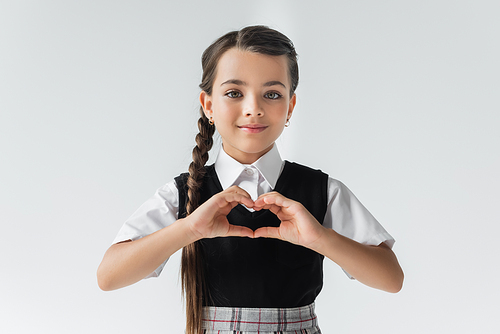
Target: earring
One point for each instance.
(287, 124)
(211, 121)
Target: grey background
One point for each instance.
(98, 106)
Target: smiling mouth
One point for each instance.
(253, 128)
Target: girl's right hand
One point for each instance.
(209, 220)
(128, 262)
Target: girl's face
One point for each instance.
(250, 102)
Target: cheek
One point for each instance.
(281, 112)
(221, 116)
(225, 112)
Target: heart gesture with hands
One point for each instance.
(298, 225)
(209, 220)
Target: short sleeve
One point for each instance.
(157, 212)
(347, 216)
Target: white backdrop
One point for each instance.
(397, 99)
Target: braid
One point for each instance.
(192, 275)
(204, 142)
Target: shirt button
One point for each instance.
(249, 171)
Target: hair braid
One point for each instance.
(204, 142)
(192, 275)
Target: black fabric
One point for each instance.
(245, 272)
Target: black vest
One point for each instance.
(262, 272)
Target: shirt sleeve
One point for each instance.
(347, 216)
(157, 212)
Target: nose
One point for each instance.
(253, 107)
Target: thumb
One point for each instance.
(267, 232)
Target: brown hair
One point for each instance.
(258, 39)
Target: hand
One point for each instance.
(297, 226)
(209, 220)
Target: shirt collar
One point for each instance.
(269, 166)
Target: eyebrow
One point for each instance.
(243, 83)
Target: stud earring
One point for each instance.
(287, 124)
(211, 121)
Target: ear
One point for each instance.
(291, 106)
(206, 104)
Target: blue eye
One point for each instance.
(273, 95)
(233, 94)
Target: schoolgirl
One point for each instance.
(253, 229)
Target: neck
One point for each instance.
(244, 157)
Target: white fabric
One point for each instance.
(345, 213)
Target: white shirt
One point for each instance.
(345, 214)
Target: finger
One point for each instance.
(267, 232)
(239, 231)
(271, 207)
(272, 198)
(238, 190)
(234, 198)
(242, 192)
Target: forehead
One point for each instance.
(252, 67)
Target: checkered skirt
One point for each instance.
(229, 320)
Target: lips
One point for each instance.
(253, 128)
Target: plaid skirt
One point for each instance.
(229, 320)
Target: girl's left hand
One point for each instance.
(375, 266)
(298, 225)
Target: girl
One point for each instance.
(253, 229)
